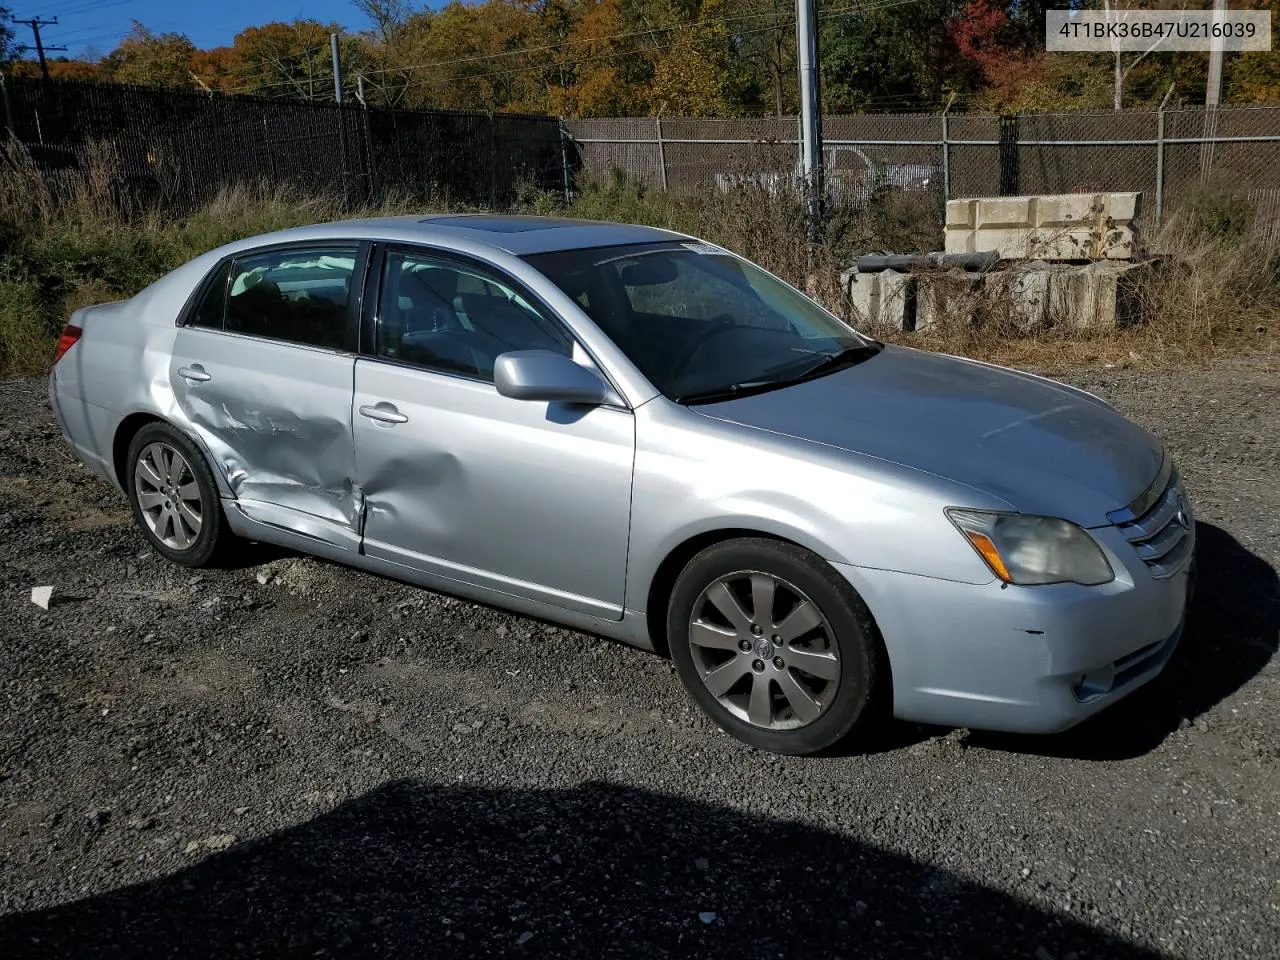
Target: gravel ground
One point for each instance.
(294, 759)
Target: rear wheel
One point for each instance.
(775, 646)
(174, 498)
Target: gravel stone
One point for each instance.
(1151, 831)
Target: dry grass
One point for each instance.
(76, 240)
(1204, 295)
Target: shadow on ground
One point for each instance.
(415, 870)
(1232, 631)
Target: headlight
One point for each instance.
(1033, 550)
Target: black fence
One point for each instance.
(178, 148)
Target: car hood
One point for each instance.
(1040, 446)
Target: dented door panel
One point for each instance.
(526, 498)
(276, 420)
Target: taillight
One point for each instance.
(68, 340)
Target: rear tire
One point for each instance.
(174, 497)
(800, 677)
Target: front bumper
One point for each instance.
(1024, 659)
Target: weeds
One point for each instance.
(71, 240)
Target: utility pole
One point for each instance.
(810, 108)
(1213, 89)
(337, 68)
(35, 23)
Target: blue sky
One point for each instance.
(99, 24)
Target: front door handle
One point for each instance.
(195, 373)
(383, 413)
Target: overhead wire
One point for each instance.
(786, 20)
(830, 14)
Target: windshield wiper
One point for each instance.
(731, 392)
(830, 362)
(839, 359)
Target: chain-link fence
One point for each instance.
(177, 148)
(1165, 155)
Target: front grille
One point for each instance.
(1162, 532)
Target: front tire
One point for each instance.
(174, 498)
(775, 646)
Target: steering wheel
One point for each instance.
(721, 323)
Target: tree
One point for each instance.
(980, 33)
(594, 79)
(1254, 77)
(215, 69)
(151, 59)
(765, 43)
(898, 56)
(290, 59)
(7, 51)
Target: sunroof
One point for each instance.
(500, 224)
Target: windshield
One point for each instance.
(697, 321)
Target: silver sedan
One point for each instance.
(639, 434)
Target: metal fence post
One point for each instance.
(370, 157)
(946, 154)
(662, 151)
(493, 162)
(564, 162)
(1009, 155)
(1160, 157)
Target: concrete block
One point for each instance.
(1020, 295)
(1072, 226)
(864, 298)
(1097, 295)
(948, 298)
(897, 307)
(881, 302)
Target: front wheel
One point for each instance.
(775, 646)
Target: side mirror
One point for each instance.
(550, 377)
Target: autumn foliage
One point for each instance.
(679, 57)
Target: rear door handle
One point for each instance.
(383, 413)
(195, 372)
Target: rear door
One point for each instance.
(525, 498)
(262, 368)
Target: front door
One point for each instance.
(262, 370)
(531, 499)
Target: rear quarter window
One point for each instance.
(211, 308)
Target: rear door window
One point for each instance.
(299, 296)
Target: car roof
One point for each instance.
(518, 235)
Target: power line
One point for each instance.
(649, 31)
(544, 48)
(86, 41)
(787, 20)
(842, 11)
(80, 6)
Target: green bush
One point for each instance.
(1219, 211)
(27, 335)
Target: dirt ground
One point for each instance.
(293, 759)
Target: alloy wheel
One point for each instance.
(168, 495)
(764, 650)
